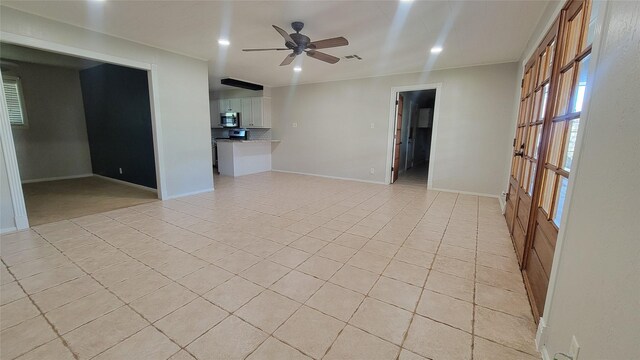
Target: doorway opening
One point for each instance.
(413, 134)
(82, 132)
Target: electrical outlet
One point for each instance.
(295, 125)
(372, 171)
(373, 125)
(574, 350)
(120, 171)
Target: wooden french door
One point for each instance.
(397, 139)
(526, 145)
(552, 108)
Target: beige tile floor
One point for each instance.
(270, 266)
(51, 201)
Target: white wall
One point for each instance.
(334, 135)
(54, 143)
(183, 96)
(597, 291)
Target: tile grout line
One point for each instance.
(375, 283)
(325, 282)
(424, 284)
(475, 276)
(115, 295)
(387, 204)
(64, 342)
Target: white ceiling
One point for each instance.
(391, 36)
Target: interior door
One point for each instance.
(533, 107)
(397, 139)
(514, 195)
(562, 122)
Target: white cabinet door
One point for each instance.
(214, 110)
(223, 105)
(246, 114)
(256, 106)
(235, 105)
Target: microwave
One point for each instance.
(230, 120)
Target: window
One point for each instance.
(15, 100)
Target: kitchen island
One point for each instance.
(244, 157)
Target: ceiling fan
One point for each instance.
(300, 43)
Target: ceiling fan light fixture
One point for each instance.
(436, 49)
(297, 69)
(224, 42)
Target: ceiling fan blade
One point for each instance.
(328, 43)
(288, 59)
(285, 35)
(270, 49)
(323, 57)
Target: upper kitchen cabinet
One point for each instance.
(255, 112)
(230, 105)
(260, 113)
(214, 109)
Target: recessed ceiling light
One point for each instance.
(436, 50)
(297, 69)
(223, 42)
(406, 0)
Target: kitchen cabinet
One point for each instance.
(230, 105)
(255, 112)
(246, 113)
(214, 110)
(260, 113)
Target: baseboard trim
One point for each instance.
(188, 194)
(331, 177)
(463, 192)
(8, 230)
(141, 187)
(503, 203)
(56, 178)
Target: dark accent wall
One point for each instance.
(118, 114)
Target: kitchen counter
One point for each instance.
(243, 157)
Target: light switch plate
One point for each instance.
(295, 125)
(373, 125)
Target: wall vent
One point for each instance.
(353, 57)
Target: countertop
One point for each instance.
(246, 141)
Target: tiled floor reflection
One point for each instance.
(270, 266)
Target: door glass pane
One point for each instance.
(532, 178)
(551, 50)
(536, 105)
(564, 92)
(538, 138)
(545, 98)
(570, 145)
(581, 84)
(557, 132)
(542, 70)
(559, 201)
(573, 37)
(547, 190)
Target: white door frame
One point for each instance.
(392, 124)
(6, 138)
